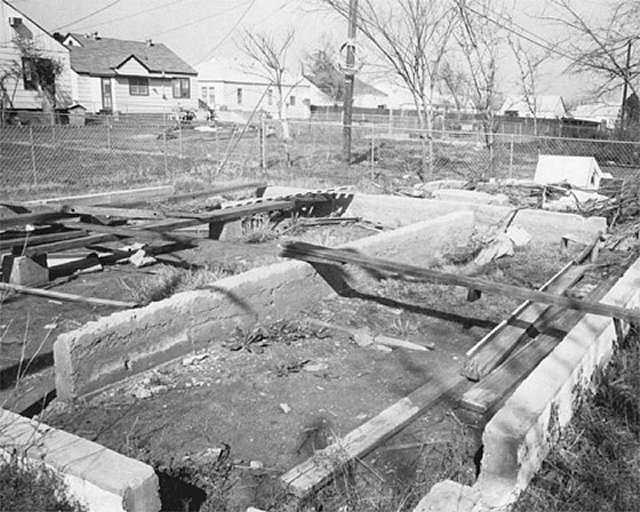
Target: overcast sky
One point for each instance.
(199, 29)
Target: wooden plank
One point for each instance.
(319, 254)
(114, 197)
(113, 211)
(486, 394)
(64, 245)
(500, 342)
(31, 240)
(258, 185)
(65, 296)
(23, 219)
(223, 215)
(317, 470)
(134, 231)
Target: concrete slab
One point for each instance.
(102, 479)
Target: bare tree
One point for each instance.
(412, 37)
(479, 39)
(529, 61)
(598, 45)
(270, 55)
(323, 70)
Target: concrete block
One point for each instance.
(450, 496)
(223, 231)
(111, 349)
(102, 479)
(24, 270)
(471, 196)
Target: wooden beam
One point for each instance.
(66, 244)
(526, 322)
(31, 240)
(112, 211)
(66, 296)
(484, 396)
(129, 231)
(320, 468)
(258, 185)
(115, 197)
(319, 254)
(23, 219)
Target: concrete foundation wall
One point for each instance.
(128, 342)
(101, 479)
(521, 434)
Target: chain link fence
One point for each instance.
(45, 161)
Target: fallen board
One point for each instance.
(66, 296)
(484, 396)
(315, 253)
(31, 240)
(64, 245)
(526, 322)
(320, 468)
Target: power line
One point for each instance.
(132, 15)
(226, 36)
(89, 15)
(199, 20)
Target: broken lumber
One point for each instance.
(22, 219)
(319, 254)
(29, 240)
(64, 245)
(118, 197)
(525, 322)
(258, 185)
(69, 297)
(320, 468)
(112, 211)
(484, 396)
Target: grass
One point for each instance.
(26, 486)
(596, 464)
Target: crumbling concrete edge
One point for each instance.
(521, 434)
(116, 347)
(101, 479)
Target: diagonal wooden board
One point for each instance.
(490, 391)
(319, 254)
(525, 322)
(320, 468)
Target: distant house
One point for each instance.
(603, 113)
(545, 107)
(366, 95)
(132, 77)
(233, 85)
(19, 88)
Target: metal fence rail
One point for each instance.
(41, 161)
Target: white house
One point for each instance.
(234, 85)
(133, 77)
(19, 88)
(600, 112)
(545, 107)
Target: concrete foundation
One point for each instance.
(104, 352)
(521, 434)
(101, 479)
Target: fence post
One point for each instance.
(164, 144)
(179, 136)
(263, 144)
(109, 145)
(511, 158)
(373, 149)
(53, 134)
(33, 156)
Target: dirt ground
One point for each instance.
(224, 423)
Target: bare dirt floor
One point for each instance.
(223, 424)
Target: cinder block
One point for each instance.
(24, 270)
(102, 479)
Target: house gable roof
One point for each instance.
(102, 56)
(44, 30)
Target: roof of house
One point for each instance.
(102, 55)
(233, 70)
(545, 106)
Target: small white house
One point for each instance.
(234, 85)
(578, 171)
(604, 113)
(544, 107)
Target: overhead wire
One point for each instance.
(228, 33)
(90, 15)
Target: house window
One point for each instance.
(29, 76)
(212, 96)
(203, 93)
(239, 95)
(138, 86)
(270, 97)
(292, 101)
(181, 88)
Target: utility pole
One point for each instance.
(624, 88)
(349, 77)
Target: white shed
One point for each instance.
(579, 171)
